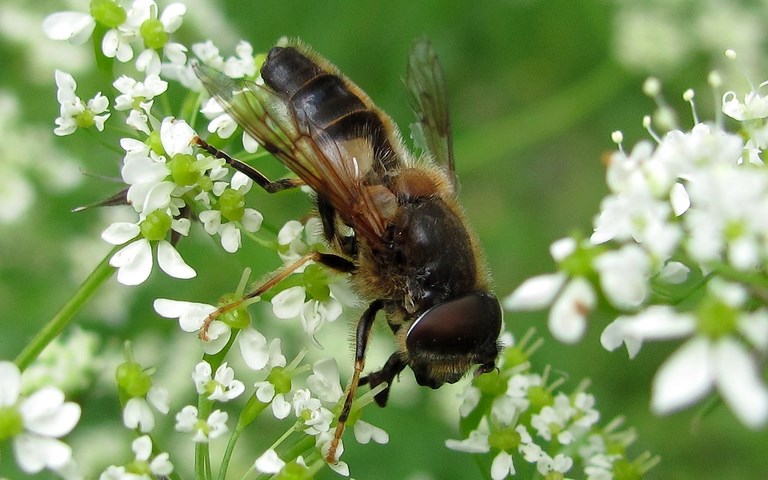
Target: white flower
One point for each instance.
(753, 107)
(701, 364)
(315, 418)
(134, 261)
(292, 302)
(365, 432)
(35, 423)
(192, 317)
(232, 209)
(74, 112)
(141, 468)
(133, 91)
(296, 240)
(203, 430)
(222, 386)
(324, 381)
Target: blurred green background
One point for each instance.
(536, 89)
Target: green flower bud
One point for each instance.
(183, 169)
(107, 13)
(155, 227)
(232, 204)
(133, 380)
(153, 33)
(280, 379)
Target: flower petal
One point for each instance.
(171, 262)
(35, 452)
(269, 462)
(535, 293)
(10, 383)
(740, 383)
(46, 413)
(134, 262)
(253, 347)
(120, 232)
(288, 303)
(685, 377)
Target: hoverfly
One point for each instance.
(392, 219)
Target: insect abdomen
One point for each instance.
(322, 99)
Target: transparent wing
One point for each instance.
(426, 83)
(304, 148)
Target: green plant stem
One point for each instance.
(60, 321)
(228, 453)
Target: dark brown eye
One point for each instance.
(469, 324)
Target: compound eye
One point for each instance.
(465, 325)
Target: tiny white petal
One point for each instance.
(158, 397)
(288, 303)
(10, 383)
(740, 383)
(535, 293)
(502, 466)
(142, 447)
(269, 462)
(560, 249)
(76, 27)
(230, 237)
(171, 262)
(679, 199)
(120, 232)
(253, 347)
(137, 414)
(685, 376)
(567, 318)
(251, 220)
(46, 413)
(34, 452)
(134, 262)
(365, 432)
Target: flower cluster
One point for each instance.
(687, 29)
(35, 423)
(168, 181)
(678, 252)
(529, 426)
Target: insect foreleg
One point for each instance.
(255, 175)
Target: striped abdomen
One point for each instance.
(323, 99)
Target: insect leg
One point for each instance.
(361, 343)
(332, 261)
(255, 175)
(388, 372)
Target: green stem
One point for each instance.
(228, 453)
(202, 451)
(540, 121)
(60, 321)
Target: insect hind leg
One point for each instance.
(255, 175)
(334, 262)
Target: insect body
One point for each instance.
(391, 218)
